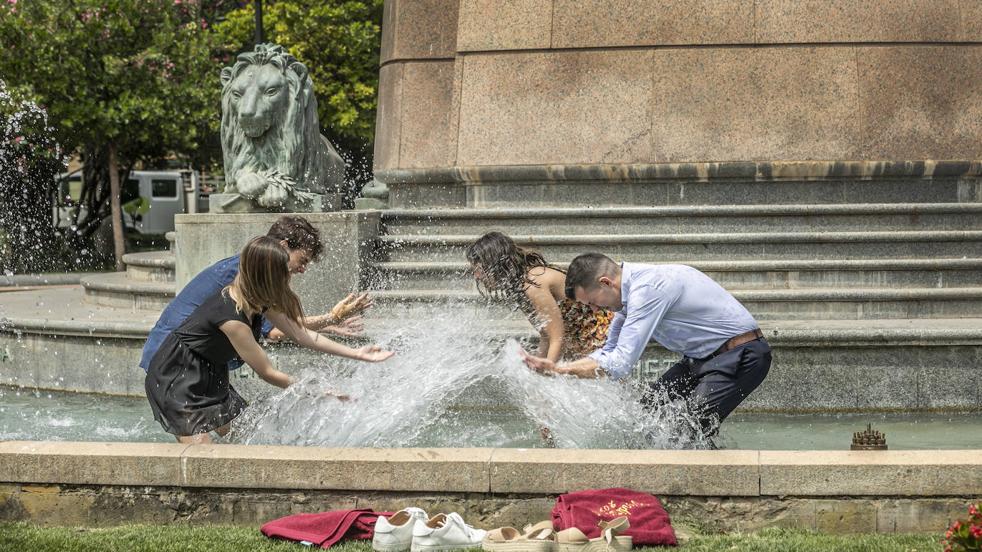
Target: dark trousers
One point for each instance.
(715, 386)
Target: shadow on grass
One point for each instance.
(23, 537)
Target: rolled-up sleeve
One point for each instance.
(646, 306)
(613, 333)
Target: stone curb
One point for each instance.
(85, 328)
(51, 279)
(501, 471)
(685, 210)
(803, 294)
(156, 259)
(754, 171)
(118, 282)
(736, 266)
(598, 240)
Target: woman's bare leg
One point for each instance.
(199, 439)
(204, 438)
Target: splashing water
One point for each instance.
(455, 383)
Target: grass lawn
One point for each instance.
(22, 537)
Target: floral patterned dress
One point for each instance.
(585, 328)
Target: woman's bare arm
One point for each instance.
(313, 340)
(547, 311)
(240, 335)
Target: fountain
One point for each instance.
(817, 188)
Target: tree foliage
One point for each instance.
(139, 74)
(142, 75)
(338, 41)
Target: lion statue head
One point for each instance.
(271, 143)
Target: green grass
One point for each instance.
(174, 538)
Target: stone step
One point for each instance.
(849, 365)
(150, 266)
(792, 331)
(693, 184)
(115, 289)
(764, 304)
(687, 219)
(709, 246)
(771, 274)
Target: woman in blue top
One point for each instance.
(303, 244)
(187, 380)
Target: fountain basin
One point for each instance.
(834, 491)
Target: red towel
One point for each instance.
(326, 528)
(650, 525)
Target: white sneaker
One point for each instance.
(395, 534)
(445, 532)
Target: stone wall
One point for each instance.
(527, 82)
(116, 483)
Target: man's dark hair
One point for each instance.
(298, 234)
(584, 271)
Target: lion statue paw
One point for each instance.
(274, 196)
(251, 185)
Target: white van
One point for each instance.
(150, 199)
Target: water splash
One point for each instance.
(457, 382)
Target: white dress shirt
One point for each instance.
(681, 308)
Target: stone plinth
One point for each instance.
(476, 83)
(347, 237)
(236, 204)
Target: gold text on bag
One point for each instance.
(612, 509)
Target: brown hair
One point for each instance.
(585, 270)
(506, 265)
(263, 281)
(298, 234)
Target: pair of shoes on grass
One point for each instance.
(412, 529)
(542, 538)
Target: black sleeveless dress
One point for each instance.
(187, 381)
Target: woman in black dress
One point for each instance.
(187, 381)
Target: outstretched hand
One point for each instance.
(373, 353)
(338, 395)
(353, 304)
(538, 364)
(351, 327)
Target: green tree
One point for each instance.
(339, 42)
(137, 78)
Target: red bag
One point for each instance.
(326, 528)
(650, 525)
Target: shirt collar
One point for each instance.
(625, 284)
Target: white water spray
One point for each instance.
(454, 383)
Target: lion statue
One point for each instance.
(271, 143)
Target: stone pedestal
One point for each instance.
(234, 203)
(347, 236)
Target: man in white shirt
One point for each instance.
(724, 355)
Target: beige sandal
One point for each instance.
(574, 540)
(537, 538)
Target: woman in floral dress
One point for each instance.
(524, 280)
